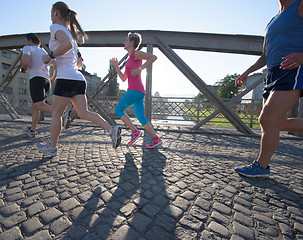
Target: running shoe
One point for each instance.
(29, 132)
(154, 143)
(47, 149)
(66, 119)
(115, 134)
(134, 137)
(253, 170)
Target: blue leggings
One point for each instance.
(135, 98)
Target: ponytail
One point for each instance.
(71, 16)
(75, 28)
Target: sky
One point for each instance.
(248, 17)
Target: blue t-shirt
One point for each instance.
(283, 35)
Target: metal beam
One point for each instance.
(149, 81)
(227, 43)
(232, 117)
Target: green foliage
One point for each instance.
(226, 86)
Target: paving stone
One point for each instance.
(219, 228)
(13, 233)
(68, 204)
(209, 235)
(52, 201)
(243, 231)
(191, 222)
(11, 191)
(35, 208)
(218, 217)
(30, 200)
(77, 232)
(263, 218)
(242, 209)
(202, 203)
(13, 220)
(128, 209)
(243, 219)
(298, 227)
(140, 222)
(124, 232)
(34, 190)
(85, 196)
(159, 234)
(166, 222)
(173, 211)
(184, 233)
(15, 197)
(60, 225)
(199, 213)
(9, 209)
(31, 225)
(50, 214)
(222, 208)
(48, 194)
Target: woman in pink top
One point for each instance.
(135, 92)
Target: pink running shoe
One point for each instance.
(154, 143)
(135, 137)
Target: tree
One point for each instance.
(226, 86)
(113, 87)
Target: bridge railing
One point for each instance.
(176, 109)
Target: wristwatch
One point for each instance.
(51, 54)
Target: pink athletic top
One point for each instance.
(134, 83)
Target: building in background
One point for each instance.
(257, 93)
(18, 89)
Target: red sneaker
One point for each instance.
(154, 143)
(135, 137)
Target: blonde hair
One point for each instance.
(71, 16)
(136, 37)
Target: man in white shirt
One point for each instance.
(31, 61)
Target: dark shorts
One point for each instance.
(39, 88)
(283, 80)
(69, 88)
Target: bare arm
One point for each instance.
(123, 76)
(139, 55)
(25, 60)
(261, 62)
(54, 65)
(65, 45)
(79, 62)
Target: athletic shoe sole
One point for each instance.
(159, 143)
(25, 131)
(118, 141)
(140, 134)
(254, 176)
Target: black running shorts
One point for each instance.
(39, 88)
(283, 80)
(69, 88)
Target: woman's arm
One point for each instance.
(54, 65)
(65, 45)
(123, 76)
(139, 55)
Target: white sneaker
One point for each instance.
(47, 149)
(28, 132)
(114, 133)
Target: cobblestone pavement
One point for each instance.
(187, 189)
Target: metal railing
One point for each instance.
(170, 109)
